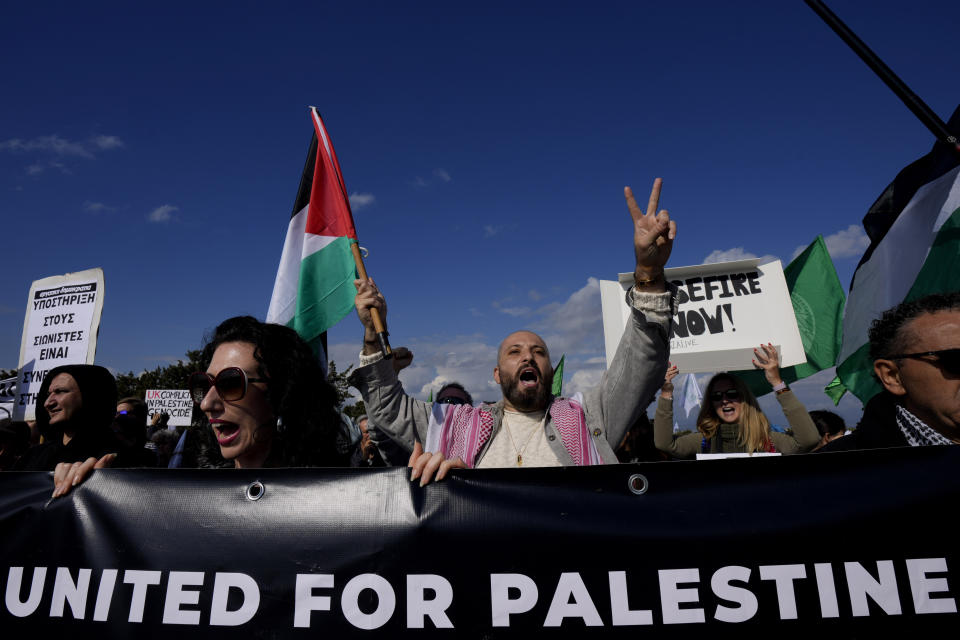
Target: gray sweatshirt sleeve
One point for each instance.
(635, 373)
(403, 418)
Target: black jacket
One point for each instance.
(877, 428)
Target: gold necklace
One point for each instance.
(513, 442)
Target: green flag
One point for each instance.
(835, 390)
(818, 299)
(558, 377)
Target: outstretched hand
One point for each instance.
(424, 465)
(768, 360)
(653, 235)
(67, 475)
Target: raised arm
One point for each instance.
(805, 434)
(638, 367)
(685, 446)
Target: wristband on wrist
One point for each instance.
(656, 278)
(781, 387)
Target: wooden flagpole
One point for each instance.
(382, 334)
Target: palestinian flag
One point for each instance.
(914, 228)
(314, 287)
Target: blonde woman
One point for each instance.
(731, 421)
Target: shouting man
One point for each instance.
(529, 426)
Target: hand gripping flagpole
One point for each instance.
(382, 333)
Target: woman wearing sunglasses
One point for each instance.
(266, 400)
(731, 421)
(266, 403)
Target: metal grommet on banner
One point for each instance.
(255, 491)
(638, 484)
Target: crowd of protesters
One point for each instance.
(265, 401)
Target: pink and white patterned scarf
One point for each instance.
(462, 430)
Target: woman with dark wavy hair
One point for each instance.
(266, 400)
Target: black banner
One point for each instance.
(845, 544)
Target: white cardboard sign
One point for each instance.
(60, 327)
(726, 310)
(177, 403)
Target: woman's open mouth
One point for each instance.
(226, 432)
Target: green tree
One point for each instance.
(339, 381)
(354, 411)
(173, 376)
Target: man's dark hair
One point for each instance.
(297, 391)
(887, 337)
(828, 422)
(455, 385)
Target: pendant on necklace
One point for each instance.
(519, 460)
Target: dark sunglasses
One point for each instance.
(231, 384)
(947, 359)
(730, 394)
(451, 400)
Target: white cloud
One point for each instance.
(515, 311)
(439, 174)
(39, 167)
(53, 144)
(53, 148)
(360, 200)
(162, 213)
(490, 230)
(737, 253)
(97, 207)
(535, 295)
(583, 380)
(847, 243)
(107, 142)
(576, 325)
(61, 147)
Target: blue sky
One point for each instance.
(486, 145)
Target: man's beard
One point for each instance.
(527, 399)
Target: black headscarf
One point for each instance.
(98, 390)
(90, 425)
